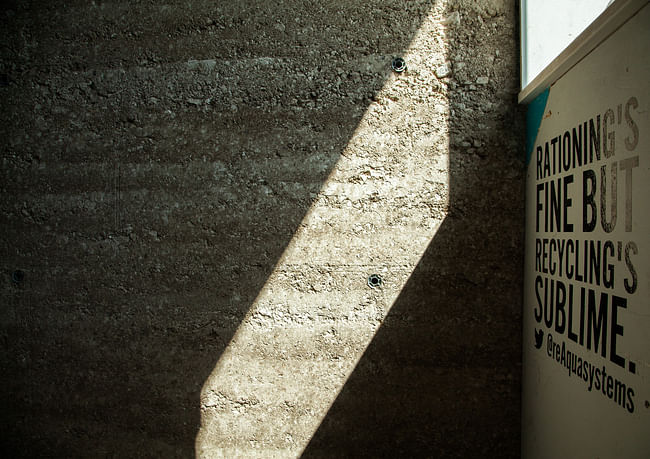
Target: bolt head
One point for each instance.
(398, 65)
(374, 281)
(17, 276)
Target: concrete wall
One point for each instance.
(196, 193)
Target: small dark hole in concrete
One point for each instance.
(17, 276)
(374, 281)
(399, 65)
(4, 79)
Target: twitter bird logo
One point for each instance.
(539, 337)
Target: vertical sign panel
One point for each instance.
(587, 304)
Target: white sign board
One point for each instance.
(587, 282)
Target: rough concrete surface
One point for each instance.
(195, 193)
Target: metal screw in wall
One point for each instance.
(398, 65)
(374, 281)
(17, 276)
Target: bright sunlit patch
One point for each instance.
(315, 316)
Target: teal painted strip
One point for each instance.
(534, 116)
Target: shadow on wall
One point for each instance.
(441, 378)
(158, 161)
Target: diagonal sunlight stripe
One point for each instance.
(315, 316)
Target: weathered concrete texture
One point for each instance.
(197, 192)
